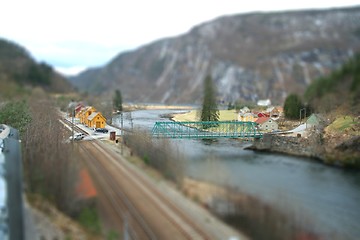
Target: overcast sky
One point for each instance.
(75, 34)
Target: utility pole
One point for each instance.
(131, 122)
(122, 132)
(72, 124)
(302, 109)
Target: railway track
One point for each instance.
(150, 214)
(120, 204)
(76, 128)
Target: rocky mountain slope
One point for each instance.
(250, 57)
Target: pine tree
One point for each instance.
(117, 101)
(292, 106)
(209, 110)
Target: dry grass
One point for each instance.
(343, 123)
(60, 222)
(160, 154)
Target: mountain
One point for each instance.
(19, 70)
(249, 56)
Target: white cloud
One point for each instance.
(88, 33)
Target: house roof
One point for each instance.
(87, 109)
(90, 108)
(270, 109)
(94, 114)
(244, 110)
(313, 120)
(261, 114)
(279, 108)
(261, 120)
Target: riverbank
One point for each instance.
(297, 146)
(336, 144)
(315, 145)
(248, 213)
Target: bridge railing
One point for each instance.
(207, 129)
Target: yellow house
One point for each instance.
(247, 117)
(96, 120)
(85, 114)
(79, 113)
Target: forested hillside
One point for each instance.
(340, 88)
(19, 71)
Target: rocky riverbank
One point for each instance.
(316, 145)
(298, 146)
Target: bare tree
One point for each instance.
(49, 164)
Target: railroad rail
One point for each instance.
(121, 205)
(76, 128)
(110, 171)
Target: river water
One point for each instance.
(326, 197)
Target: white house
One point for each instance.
(264, 103)
(267, 124)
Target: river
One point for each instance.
(324, 196)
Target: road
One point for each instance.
(134, 201)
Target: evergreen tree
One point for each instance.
(117, 101)
(209, 110)
(292, 106)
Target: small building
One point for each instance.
(96, 120)
(267, 124)
(275, 113)
(245, 110)
(78, 113)
(264, 102)
(261, 114)
(78, 109)
(247, 117)
(314, 120)
(85, 114)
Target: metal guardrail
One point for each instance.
(11, 201)
(206, 130)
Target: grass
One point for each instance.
(343, 123)
(225, 115)
(112, 235)
(90, 220)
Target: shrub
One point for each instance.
(157, 153)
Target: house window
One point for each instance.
(98, 118)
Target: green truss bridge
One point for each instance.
(206, 130)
